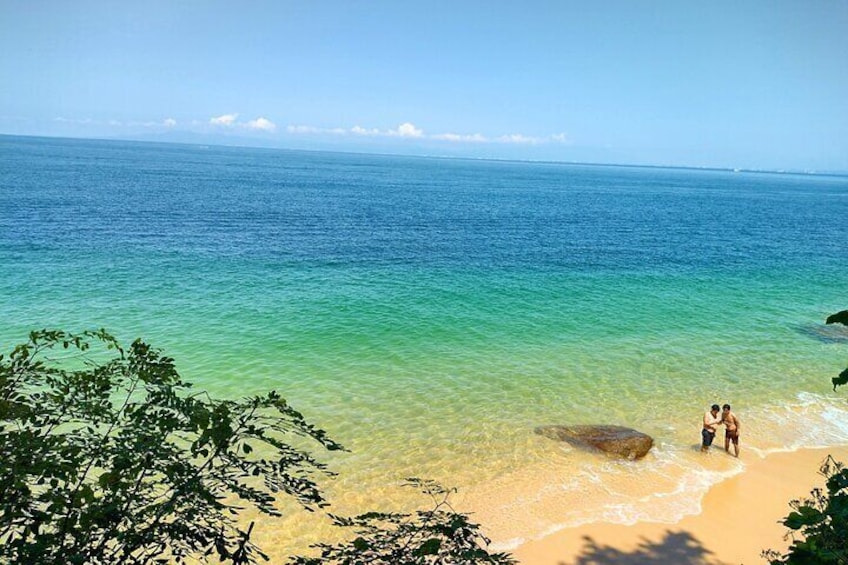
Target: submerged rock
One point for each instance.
(838, 318)
(825, 334)
(616, 440)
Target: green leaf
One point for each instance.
(107, 479)
(838, 481)
(429, 547)
(805, 516)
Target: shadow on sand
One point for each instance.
(679, 548)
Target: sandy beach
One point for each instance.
(739, 519)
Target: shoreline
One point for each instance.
(738, 520)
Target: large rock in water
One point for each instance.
(617, 440)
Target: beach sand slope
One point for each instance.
(739, 519)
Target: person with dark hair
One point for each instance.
(731, 429)
(711, 422)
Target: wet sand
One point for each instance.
(738, 520)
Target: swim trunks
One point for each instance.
(732, 435)
(708, 437)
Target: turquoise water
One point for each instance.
(429, 313)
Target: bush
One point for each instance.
(822, 521)
(107, 456)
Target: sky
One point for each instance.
(740, 84)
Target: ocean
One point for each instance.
(429, 313)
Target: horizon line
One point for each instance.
(810, 172)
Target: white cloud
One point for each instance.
(312, 130)
(404, 130)
(224, 120)
(517, 138)
(407, 129)
(410, 130)
(358, 130)
(461, 137)
(261, 123)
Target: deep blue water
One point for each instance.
(307, 208)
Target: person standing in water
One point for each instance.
(731, 429)
(711, 422)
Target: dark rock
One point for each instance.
(838, 318)
(616, 440)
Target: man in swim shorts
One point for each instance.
(731, 429)
(711, 422)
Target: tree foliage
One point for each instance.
(839, 318)
(822, 521)
(106, 456)
(436, 536)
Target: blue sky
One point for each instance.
(754, 84)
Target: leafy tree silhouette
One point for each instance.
(821, 520)
(108, 456)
